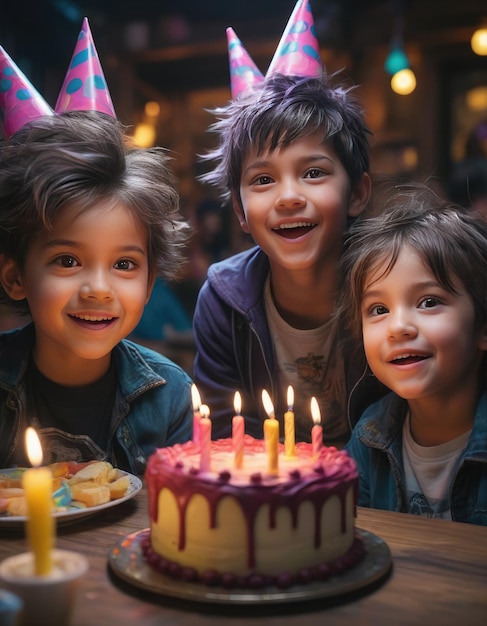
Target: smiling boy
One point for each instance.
(88, 221)
(293, 159)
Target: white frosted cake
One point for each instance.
(248, 527)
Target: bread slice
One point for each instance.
(90, 493)
(118, 488)
(97, 472)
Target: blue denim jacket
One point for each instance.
(152, 406)
(234, 349)
(376, 446)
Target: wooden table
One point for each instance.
(439, 576)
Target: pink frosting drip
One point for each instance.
(177, 469)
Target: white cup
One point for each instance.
(47, 600)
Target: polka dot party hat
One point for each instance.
(298, 51)
(244, 74)
(297, 54)
(84, 87)
(20, 102)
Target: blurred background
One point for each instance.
(166, 64)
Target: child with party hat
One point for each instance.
(88, 222)
(293, 159)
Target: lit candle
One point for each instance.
(238, 431)
(317, 430)
(195, 396)
(37, 484)
(289, 437)
(205, 439)
(271, 434)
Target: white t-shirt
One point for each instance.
(310, 361)
(428, 471)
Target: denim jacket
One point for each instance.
(152, 402)
(376, 446)
(234, 348)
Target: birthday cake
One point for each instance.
(249, 527)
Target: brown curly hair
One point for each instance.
(81, 159)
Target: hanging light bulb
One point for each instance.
(397, 59)
(479, 41)
(403, 82)
(397, 64)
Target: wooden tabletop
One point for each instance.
(438, 576)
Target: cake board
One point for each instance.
(127, 561)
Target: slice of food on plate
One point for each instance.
(75, 485)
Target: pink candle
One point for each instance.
(205, 439)
(238, 431)
(317, 430)
(195, 396)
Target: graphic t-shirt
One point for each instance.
(73, 422)
(310, 361)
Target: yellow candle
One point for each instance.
(37, 484)
(289, 436)
(271, 435)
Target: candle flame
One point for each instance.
(290, 397)
(195, 396)
(205, 410)
(315, 411)
(33, 447)
(267, 402)
(237, 403)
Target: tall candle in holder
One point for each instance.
(238, 432)
(289, 435)
(195, 397)
(317, 430)
(271, 434)
(205, 439)
(40, 526)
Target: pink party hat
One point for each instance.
(244, 73)
(84, 87)
(298, 52)
(20, 102)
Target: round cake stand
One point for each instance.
(127, 561)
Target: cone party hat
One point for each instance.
(244, 74)
(298, 51)
(20, 102)
(84, 87)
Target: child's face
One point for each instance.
(86, 282)
(295, 201)
(420, 340)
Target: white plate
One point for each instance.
(72, 514)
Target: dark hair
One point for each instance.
(279, 111)
(468, 182)
(450, 241)
(81, 159)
